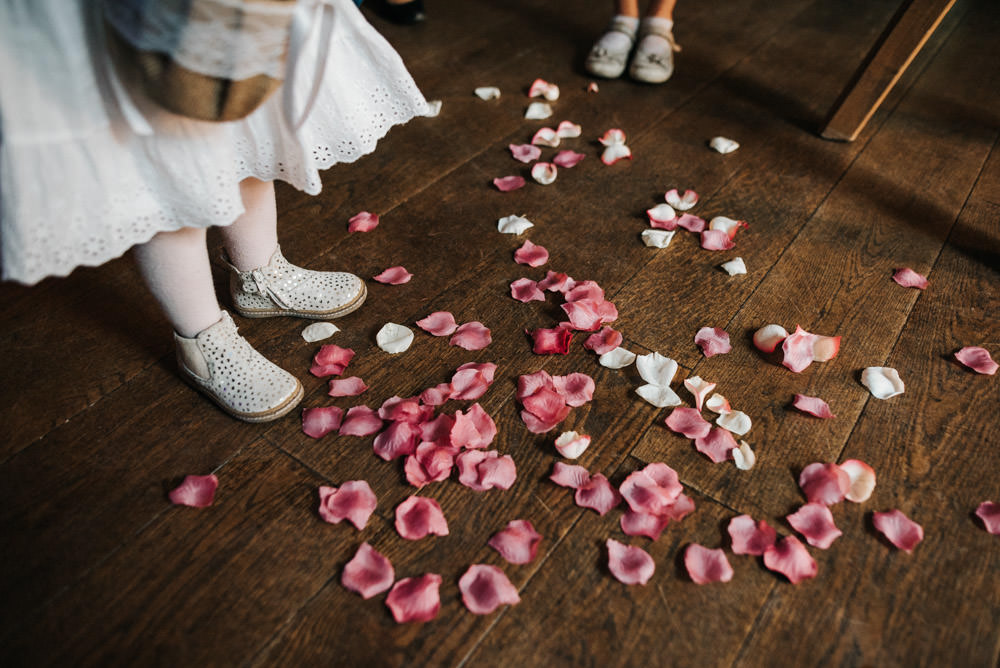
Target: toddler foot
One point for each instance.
(609, 55)
(653, 61)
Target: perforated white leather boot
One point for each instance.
(281, 288)
(221, 364)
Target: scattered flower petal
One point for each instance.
(662, 216)
(750, 537)
(592, 87)
(798, 350)
(473, 429)
(705, 566)
(681, 202)
(713, 341)
(576, 388)
(910, 279)
(691, 223)
(484, 470)
(525, 152)
(629, 564)
(538, 111)
(825, 348)
(420, 516)
(555, 281)
(320, 421)
(197, 491)
(514, 224)
(471, 336)
(723, 145)
(526, 290)
(734, 267)
(471, 380)
(813, 406)
(767, 338)
(415, 599)
(612, 137)
(517, 542)
(360, 421)
(651, 490)
(485, 588)
(437, 395)
(507, 183)
(727, 225)
(368, 573)
(331, 360)
(542, 88)
(569, 475)
(353, 501)
(699, 389)
(347, 387)
(643, 524)
(569, 130)
(362, 222)
(862, 480)
(568, 159)
(791, 558)
(571, 444)
(688, 422)
(597, 494)
(716, 240)
(531, 254)
(618, 358)
(882, 381)
(398, 440)
(394, 276)
(488, 92)
(603, 341)
(553, 341)
(589, 314)
(815, 522)
(657, 238)
(824, 483)
(656, 369)
(614, 153)
(718, 404)
(658, 395)
(544, 173)
(439, 323)
(716, 445)
(899, 529)
(319, 331)
(393, 338)
(545, 137)
(978, 359)
(989, 513)
(744, 457)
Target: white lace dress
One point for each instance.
(78, 184)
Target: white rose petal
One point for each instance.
(538, 111)
(657, 238)
(735, 266)
(514, 224)
(659, 395)
(617, 358)
(393, 338)
(882, 381)
(488, 92)
(319, 331)
(737, 422)
(571, 444)
(744, 457)
(656, 369)
(723, 145)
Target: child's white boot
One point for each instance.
(220, 363)
(281, 288)
(609, 55)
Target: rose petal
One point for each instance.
(484, 470)
(597, 494)
(415, 599)
(681, 202)
(718, 404)
(439, 323)
(629, 564)
(368, 573)
(978, 359)
(568, 159)
(791, 558)
(767, 338)
(488, 92)
(571, 444)
(471, 336)
(507, 183)
(437, 395)
(430, 463)
(545, 137)
(526, 290)
(584, 290)
(393, 338)
(989, 513)
(825, 348)
(514, 224)
(569, 475)
(688, 422)
(862, 480)
(360, 421)
(798, 350)
(813, 406)
(899, 529)
(737, 422)
(713, 341)
(353, 501)
(398, 440)
(618, 358)
(705, 566)
(815, 522)
(734, 267)
(531, 254)
(320, 421)
(517, 542)
(569, 130)
(398, 409)
(652, 489)
(656, 369)
(723, 145)
(614, 153)
(331, 360)
(592, 87)
(362, 222)
(485, 588)
(544, 173)
(525, 152)
(319, 331)
(612, 137)
(546, 404)
(750, 537)
(197, 491)
(657, 238)
(716, 240)
(420, 516)
(691, 223)
(727, 225)
(394, 276)
(473, 429)
(643, 524)
(542, 88)
(699, 389)
(658, 395)
(824, 483)
(882, 381)
(587, 314)
(347, 387)
(603, 341)
(553, 341)
(471, 380)
(716, 445)
(910, 279)
(538, 111)
(662, 216)
(744, 457)
(576, 388)
(556, 282)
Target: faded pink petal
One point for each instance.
(815, 522)
(791, 558)
(652, 489)
(584, 290)
(699, 389)
(353, 501)
(750, 537)
(813, 406)
(347, 387)
(597, 494)
(485, 588)
(612, 137)
(471, 336)
(576, 388)
(688, 421)
(571, 445)
(716, 445)
(614, 153)
(320, 421)
(705, 566)
(473, 428)
(439, 323)
(531, 254)
(472, 379)
(394, 276)
(399, 440)
(331, 360)
(603, 341)
(437, 395)
(553, 341)
(569, 475)
(542, 88)
(713, 341)
(824, 483)
(716, 240)
(691, 223)
(899, 529)
(437, 430)
(420, 516)
(517, 542)
(197, 491)
(541, 425)
(526, 290)
(643, 524)
(978, 359)
(544, 173)
(429, 463)
(360, 421)
(727, 225)
(525, 152)
(487, 470)
(862, 480)
(368, 573)
(989, 513)
(546, 404)
(398, 409)
(507, 183)
(545, 137)
(362, 222)
(589, 314)
(569, 130)
(530, 383)
(825, 348)
(681, 202)
(556, 282)
(415, 599)
(798, 350)
(568, 159)
(767, 338)
(910, 279)
(629, 564)
(662, 217)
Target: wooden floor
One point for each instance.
(99, 569)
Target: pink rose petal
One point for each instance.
(824, 483)
(662, 217)
(347, 387)
(815, 522)
(681, 202)
(862, 480)
(437, 430)
(525, 152)
(978, 359)
(705, 566)
(568, 159)
(474, 428)
(331, 360)
(750, 537)
(506, 184)
(691, 223)
(699, 389)
(472, 379)
(556, 282)
(429, 463)
(439, 323)
(394, 276)
(716, 445)
(398, 409)
(584, 290)
(576, 388)
(485, 588)
(716, 240)
(420, 516)
(320, 421)
(471, 336)
(910, 279)
(651, 490)
(603, 341)
(545, 403)
(197, 491)
(688, 421)
(360, 421)
(813, 406)
(713, 341)
(553, 341)
(545, 137)
(437, 395)
(399, 440)
(569, 130)
(526, 290)
(571, 445)
(989, 513)
(768, 337)
(899, 529)
(798, 350)
(368, 573)
(643, 524)
(517, 542)
(531, 254)
(629, 564)
(362, 222)
(569, 475)
(589, 314)
(597, 494)
(483, 471)
(415, 599)
(791, 558)
(825, 348)
(353, 501)
(727, 225)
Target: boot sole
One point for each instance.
(278, 411)
(312, 315)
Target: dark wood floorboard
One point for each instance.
(100, 569)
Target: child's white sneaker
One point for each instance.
(609, 55)
(653, 61)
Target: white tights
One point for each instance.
(176, 268)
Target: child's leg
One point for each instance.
(252, 239)
(653, 61)
(609, 55)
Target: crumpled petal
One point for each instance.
(538, 111)
(514, 224)
(569, 130)
(542, 88)
(899, 529)
(517, 542)
(331, 360)
(576, 388)
(815, 522)
(705, 566)
(526, 290)
(768, 337)
(691, 223)
(989, 513)
(824, 483)
(347, 387)
(750, 537)
(744, 457)
(798, 350)
(555, 281)
(652, 489)
(420, 516)
(718, 404)
(353, 501)
(394, 276)
(584, 290)
(910, 279)
(471, 336)
(699, 389)
(614, 153)
(716, 445)
(688, 422)
(660, 396)
(472, 379)
(657, 238)
(415, 599)
(727, 225)
(473, 429)
(571, 444)
(545, 137)
(319, 331)
(862, 480)
(393, 338)
(713, 341)
(734, 267)
(603, 341)
(398, 440)
(662, 216)
(398, 409)
(597, 494)
(813, 406)
(656, 369)
(360, 421)
(882, 381)
(439, 323)
(791, 558)
(437, 395)
(546, 404)
(525, 152)
(716, 240)
(429, 463)
(612, 137)
(723, 144)
(368, 572)
(484, 470)
(362, 222)
(618, 358)
(553, 341)
(197, 491)
(643, 524)
(569, 475)
(589, 314)
(320, 421)
(681, 202)
(629, 564)
(568, 159)
(544, 173)
(978, 359)
(531, 254)
(487, 92)
(485, 588)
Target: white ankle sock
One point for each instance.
(615, 41)
(654, 44)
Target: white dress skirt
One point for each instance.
(79, 186)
